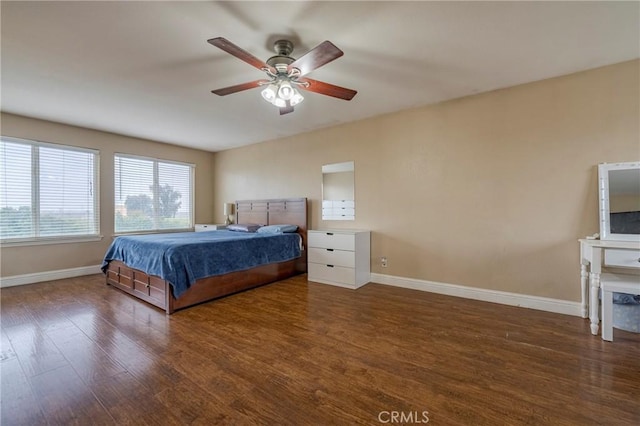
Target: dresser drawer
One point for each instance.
(336, 274)
(120, 276)
(331, 240)
(147, 285)
(332, 257)
(622, 258)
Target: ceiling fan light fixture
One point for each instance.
(270, 92)
(296, 98)
(281, 94)
(279, 102)
(286, 90)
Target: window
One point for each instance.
(47, 191)
(152, 195)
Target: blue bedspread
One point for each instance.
(182, 258)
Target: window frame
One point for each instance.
(156, 161)
(36, 215)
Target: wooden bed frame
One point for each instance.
(158, 292)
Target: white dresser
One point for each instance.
(340, 257)
(199, 227)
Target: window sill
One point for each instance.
(155, 231)
(49, 241)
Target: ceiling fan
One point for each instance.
(285, 73)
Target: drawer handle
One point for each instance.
(329, 233)
(329, 266)
(332, 250)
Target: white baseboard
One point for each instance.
(48, 276)
(505, 298)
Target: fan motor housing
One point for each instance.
(283, 49)
(274, 61)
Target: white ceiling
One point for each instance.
(145, 69)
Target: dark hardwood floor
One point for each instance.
(296, 353)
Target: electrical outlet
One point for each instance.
(383, 261)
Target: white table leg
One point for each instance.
(594, 302)
(607, 315)
(584, 285)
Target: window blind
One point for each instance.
(47, 191)
(152, 194)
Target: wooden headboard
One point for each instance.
(277, 211)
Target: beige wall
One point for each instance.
(489, 191)
(31, 259)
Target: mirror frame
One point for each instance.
(603, 196)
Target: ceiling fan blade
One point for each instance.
(286, 110)
(237, 88)
(320, 55)
(327, 89)
(227, 46)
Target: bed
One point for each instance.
(162, 293)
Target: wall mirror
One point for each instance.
(338, 193)
(619, 196)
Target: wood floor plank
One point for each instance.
(129, 402)
(134, 357)
(13, 312)
(297, 352)
(36, 352)
(194, 405)
(17, 402)
(66, 400)
(88, 360)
